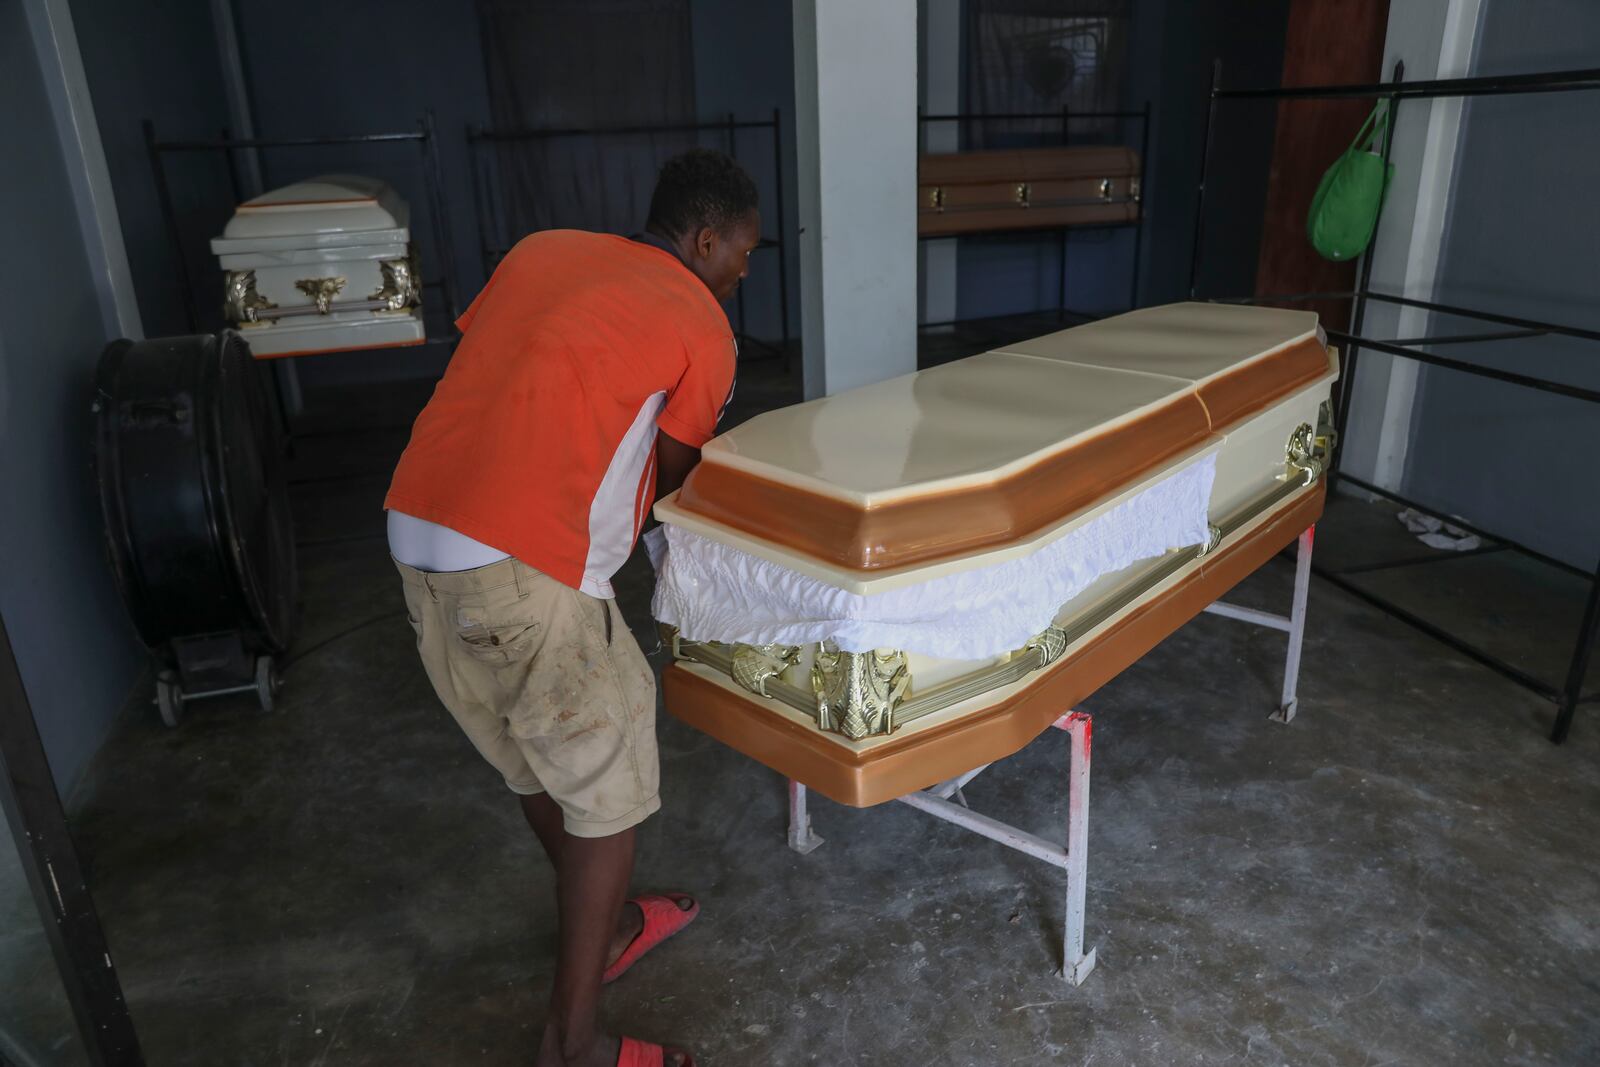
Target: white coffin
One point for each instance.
(322, 265)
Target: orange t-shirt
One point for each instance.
(540, 438)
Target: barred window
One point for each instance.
(1043, 56)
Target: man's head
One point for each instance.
(706, 205)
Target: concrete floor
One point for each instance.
(1407, 874)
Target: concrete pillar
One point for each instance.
(241, 117)
(941, 95)
(1436, 39)
(856, 124)
(61, 64)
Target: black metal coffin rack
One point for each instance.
(1568, 696)
(1066, 117)
(425, 137)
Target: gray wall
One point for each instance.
(78, 655)
(159, 62)
(1521, 240)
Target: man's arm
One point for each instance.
(674, 461)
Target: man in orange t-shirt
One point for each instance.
(591, 370)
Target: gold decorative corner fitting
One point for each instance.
(857, 692)
(753, 665)
(242, 301)
(1327, 438)
(1301, 454)
(401, 287)
(321, 290)
(1024, 194)
(1051, 643)
(936, 198)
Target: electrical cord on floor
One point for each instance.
(348, 476)
(343, 539)
(341, 635)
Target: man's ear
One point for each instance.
(704, 240)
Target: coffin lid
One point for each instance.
(988, 451)
(331, 211)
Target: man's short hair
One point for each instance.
(699, 188)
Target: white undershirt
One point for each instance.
(427, 546)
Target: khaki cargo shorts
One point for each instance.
(549, 685)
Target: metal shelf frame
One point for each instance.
(1568, 696)
(425, 137)
(56, 877)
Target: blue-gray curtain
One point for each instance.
(581, 64)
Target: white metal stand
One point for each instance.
(1293, 624)
(801, 839)
(1073, 858)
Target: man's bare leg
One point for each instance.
(591, 880)
(544, 816)
(564, 850)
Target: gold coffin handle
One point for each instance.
(400, 288)
(243, 304)
(321, 290)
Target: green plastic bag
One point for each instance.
(1345, 210)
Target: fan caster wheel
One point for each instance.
(169, 698)
(267, 682)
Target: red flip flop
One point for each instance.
(634, 1053)
(662, 918)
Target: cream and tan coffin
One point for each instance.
(321, 265)
(914, 477)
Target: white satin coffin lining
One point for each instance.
(714, 592)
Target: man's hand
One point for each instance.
(674, 461)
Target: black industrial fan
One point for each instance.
(190, 464)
